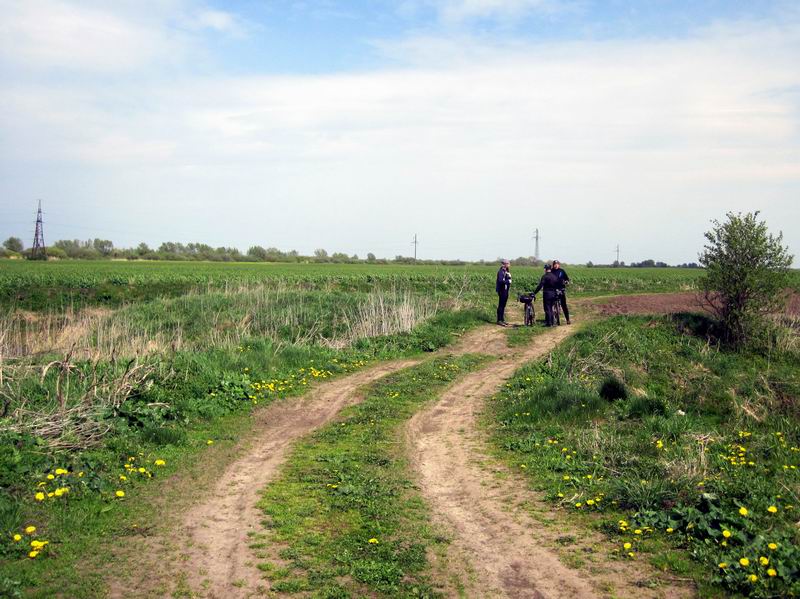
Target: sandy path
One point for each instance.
(214, 554)
(506, 549)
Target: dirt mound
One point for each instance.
(666, 303)
(654, 303)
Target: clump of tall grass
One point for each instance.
(219, 319)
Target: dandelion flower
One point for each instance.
(626, 546)
(120, 493)
(726, 534)
(752, 578)
(39, 496)
(772, 509)
(160, 463)
(33, 554)
(50, 477)
(209, 442)
(773, 546)
(61, 471)
(631, 554)
(579, 504)
(771, 572)
(17, 537)
(670, 530)
(373, 541)
(637, 531)
(764, 561)
(743, 511)
(30, 530)
(723, 565)
(744, 562)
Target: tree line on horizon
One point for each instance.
(104, 249)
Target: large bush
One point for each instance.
(746, 275)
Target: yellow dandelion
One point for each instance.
(120, 493)
(209, 442)
(373, 541)
(39, 496)
(723, 565)
(29, 530)
(17, 537)
(772, 509)
(160, 463)
(744, 562)
(637, 532)
(773, 546)
(752, 578)
(626, 546)
(726, 534)
(579, 504)
(771, 572)
(743, 511)
(764, 561)
(670, 530)
(61, 471)
(33, 554)
(50, 477)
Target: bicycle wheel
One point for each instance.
(557, 312)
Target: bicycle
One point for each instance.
(556, 308)
(528, 299)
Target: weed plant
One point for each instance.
(344, 510)
(672, 443)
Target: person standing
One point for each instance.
(502, 286)
(564, 278)
(550, 284)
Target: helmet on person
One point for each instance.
(547, 266)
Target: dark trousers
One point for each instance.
(564, 305)
(501, 305)
(548, 303)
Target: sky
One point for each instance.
(354, 125)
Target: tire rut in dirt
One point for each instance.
(506, 548)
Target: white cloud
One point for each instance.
(474, 143)
(96, 37)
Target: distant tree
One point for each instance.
(257, 252)
(370, 257)
(14, 244)
(747, 271)
(56, 252)
(340, 257)
(590, 264)
(103, 246)
(320, 255)
(143, 249)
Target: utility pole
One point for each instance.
(415, 243)
(536, 247)
(617, 254)
(39, 251)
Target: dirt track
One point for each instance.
(503, 544)
(508, 552)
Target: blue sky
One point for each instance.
(353, 125)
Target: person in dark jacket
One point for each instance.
(564, 277)
(502, 286)
(550, 284)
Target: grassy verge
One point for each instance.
(161, 428)
(686, 455)
(344, 509)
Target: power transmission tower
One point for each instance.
(39, 251)
(415, 243)
(617, 254)
(536, 247)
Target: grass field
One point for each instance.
(114, 374)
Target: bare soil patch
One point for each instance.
(505, 541)
(666, 303)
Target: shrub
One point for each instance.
(746, 273)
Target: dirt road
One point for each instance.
(504, 541)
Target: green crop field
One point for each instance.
(43, 286)
(117, 377)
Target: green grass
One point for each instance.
(45, 286)
(683, 436)
(344, 510)
(192, 395)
